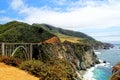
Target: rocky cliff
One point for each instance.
(116, 72)
(79, 56)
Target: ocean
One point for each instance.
(103, 71)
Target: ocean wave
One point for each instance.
(89, 75)
(97, 52)
(101, 61)
(103, 64)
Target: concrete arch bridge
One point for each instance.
(9, 49)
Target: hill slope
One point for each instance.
(72, 36)
(61, 31)
(15, 31)
(21, 32)
(12, 73)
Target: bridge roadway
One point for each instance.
(9, 49)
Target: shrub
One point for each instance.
(52, 70)
(34, 67)
(10, 61)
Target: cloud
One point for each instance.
(17, 4)
(4, 19)
(106, 35)
(108, 39)
(102, 16)
(77, 15)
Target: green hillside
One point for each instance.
(69, 35)
(15, 31)
(22, 32)
(58, 31)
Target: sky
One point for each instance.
(97, 18)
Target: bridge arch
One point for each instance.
(25, 51)
(9, 49)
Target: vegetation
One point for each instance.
(10, 61)
(55, 30)
(69, 35)
(69, 38)
(20, 53)
(15, 31)
(21, 32)
(52, 70)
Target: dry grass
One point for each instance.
(69, 38)
(12, 73)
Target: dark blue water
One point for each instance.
(111, 56)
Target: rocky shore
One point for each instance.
(116, 72)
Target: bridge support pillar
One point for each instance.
(3, 49)
(31, 49)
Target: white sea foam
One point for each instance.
(89, 73)
(97, 52)
(107, 65)
(101, 61)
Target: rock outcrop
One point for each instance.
(54, 39)
(79, 56)
(116, 72)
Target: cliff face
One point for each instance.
(116, 72)
(79, 56)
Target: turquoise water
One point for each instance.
(111, 56)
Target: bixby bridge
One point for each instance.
(9, 49)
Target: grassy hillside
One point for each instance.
(15, 31)
(21, 32)
(58, 31)
(69, 35)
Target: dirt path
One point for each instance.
(12, 73)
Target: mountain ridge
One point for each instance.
(16, 31)
(56, 30)
(74, 36)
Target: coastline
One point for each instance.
(103, 70)
(89, 75)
